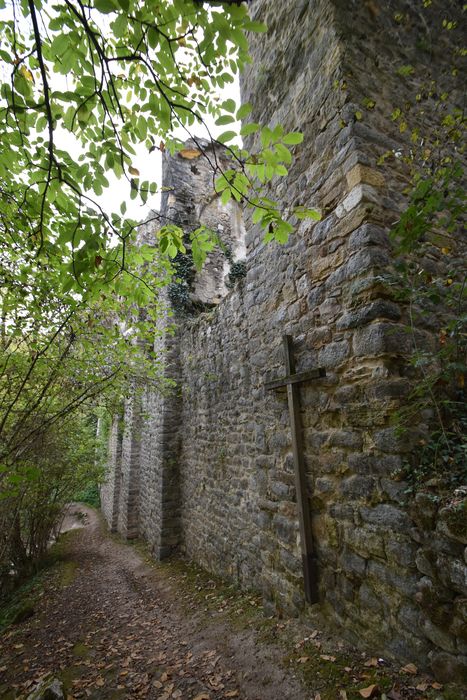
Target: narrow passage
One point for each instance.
(109, 625)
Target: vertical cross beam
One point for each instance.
(291, 381)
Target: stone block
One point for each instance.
(380, 309)
(390, 440)
(291, 563)
(358, 486)
(452, 521)
(365, 540)
(425, 562)
(343, 511)
(409, 617)
(387, 517)
(279, 489)
(360, 193)
(453, 573)
(380, 339)
(286, 530)
(363, 174)
(345, 438)
(430, 595)
(423, 509)
(399, 580)
(366, 235)
(440, 638)
(352, 563)
(369, 600)
(362, 463)
(448, 668)
(396, 490)
(401, 552)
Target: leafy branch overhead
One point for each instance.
(82, 84)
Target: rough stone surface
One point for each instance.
(208, 467)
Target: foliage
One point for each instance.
(81, 85)
(89, 495)
(36, 487)
(430, 278)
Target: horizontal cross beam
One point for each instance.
(316, 373)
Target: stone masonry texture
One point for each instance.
(205, 466)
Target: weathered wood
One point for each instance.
(296, 378)
(291, 380)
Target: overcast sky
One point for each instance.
(149, 164)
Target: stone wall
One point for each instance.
(110, 494)
(215, 472)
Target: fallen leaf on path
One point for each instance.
(343, 695)
(231, 694)
(216, 682)
(422, 686)
(370, 691)
(326, 657)
(100, 682)
(410, 668)
(202, 696)
(371, 662)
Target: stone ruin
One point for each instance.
(208, 469)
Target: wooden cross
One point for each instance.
(291, 381)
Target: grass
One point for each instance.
(20, 604)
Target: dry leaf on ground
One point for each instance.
(410, 668)
(371, 662)
(370, 691)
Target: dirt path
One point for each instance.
(110, 627)
(110, 623)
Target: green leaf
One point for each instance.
(293, 138)
(248, 129)
(225, 196)
(244, 111)
(225, 119)
(106, 6)
(266, 136)
(229, 105)
(254, 26)
(227, 136)
(405, 71)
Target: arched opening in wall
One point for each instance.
(226, 261)
(190, 201)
